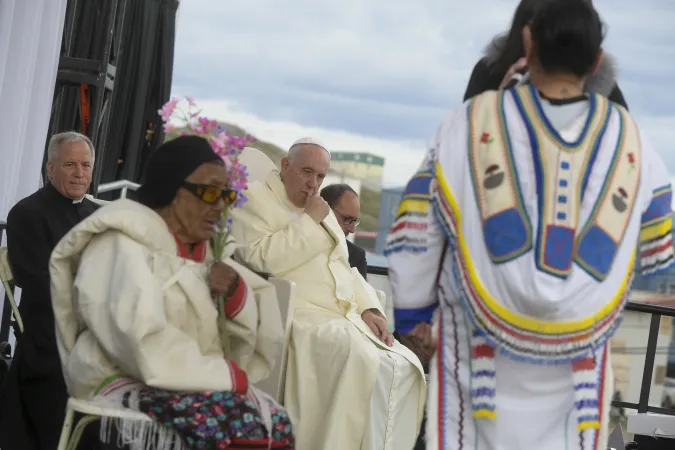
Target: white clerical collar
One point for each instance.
(79, 201)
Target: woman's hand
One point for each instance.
(378, 325)
(223, 279)
(517, 67)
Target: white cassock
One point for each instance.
(519, 238)
(344, 388)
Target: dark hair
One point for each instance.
(169, 165)
(334, 192)
(511, 49)
(567, 36)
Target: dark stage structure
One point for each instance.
(114, 74)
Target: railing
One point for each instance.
(656, 313)
(122, 185)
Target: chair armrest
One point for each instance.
(274, 384)
(285, 290)
(94, 408)
(382, 297)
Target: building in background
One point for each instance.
(332, 177)
(390, 199)
(363, 166)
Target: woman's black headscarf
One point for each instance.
(170, 165)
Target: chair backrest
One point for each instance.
(5, 268)
(257, 164)
(274, 384)
(6, 277)
(96, 200)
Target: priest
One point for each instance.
(33, 400)
(348, 383)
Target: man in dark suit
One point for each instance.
(344, 202)
(33, 398)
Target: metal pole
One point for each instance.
(643, 404)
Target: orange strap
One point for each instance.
(85, 103)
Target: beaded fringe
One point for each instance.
(484, 385)
(484, 382)
(139, 434)
(586, 390)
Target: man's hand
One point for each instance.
(223, 279)
(422, 332)
(420, 341)
(378, 326)
(317, 209)
(516, 67)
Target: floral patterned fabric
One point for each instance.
(204, 418)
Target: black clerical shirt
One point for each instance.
(34, 226)
(33, 397)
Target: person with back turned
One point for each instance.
(525, 251)
(505, 63)
(33, 400)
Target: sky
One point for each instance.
(378, 76)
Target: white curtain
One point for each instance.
(30, 44)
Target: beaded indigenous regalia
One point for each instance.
(522, 239)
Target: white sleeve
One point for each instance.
(656, 243)
(124, 309)
(415, 248)
(253, 326)
(264, 249)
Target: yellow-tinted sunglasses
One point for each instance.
(211, 194)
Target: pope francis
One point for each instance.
(349, 385)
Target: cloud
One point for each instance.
(399, 154)
(378, 76)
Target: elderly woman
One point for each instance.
(137, 325)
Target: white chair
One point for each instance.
(70, 436)
(96, 200)
(6, 277)
(91, 412)
(274, 384)
(257, 164)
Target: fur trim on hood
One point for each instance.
(602, 82)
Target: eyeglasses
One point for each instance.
(211, 194)
(349, 220)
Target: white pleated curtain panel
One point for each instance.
(30, 44)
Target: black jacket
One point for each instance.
(33, 398)
(483, 78)
(357, 258)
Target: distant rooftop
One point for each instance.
(366, 158)
(652, 298)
